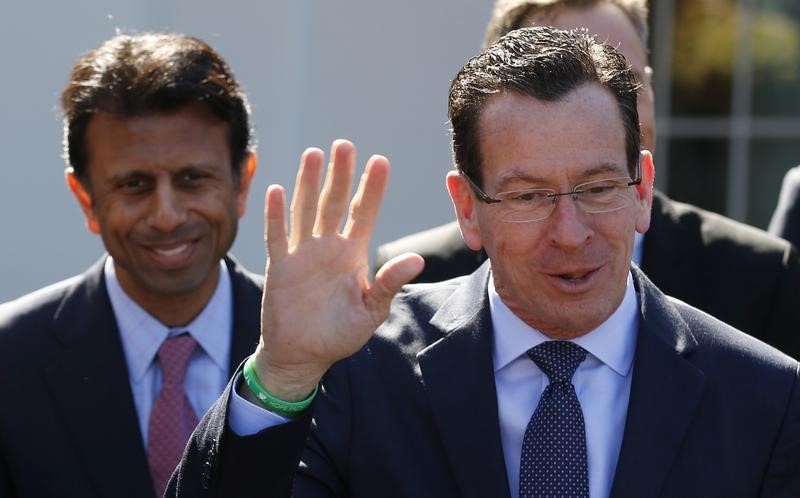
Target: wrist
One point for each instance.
(256, 392)
(289, 382)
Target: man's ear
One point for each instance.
(464, 204)
(644, 191)
(246, 174)
(84, 199)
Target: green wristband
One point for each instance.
(270, 402)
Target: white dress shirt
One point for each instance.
(142, 336)
(602, 383)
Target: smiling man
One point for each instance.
(555, 369)
(106, 374)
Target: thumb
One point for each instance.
(395, 273)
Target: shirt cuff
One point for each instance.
(246, 418)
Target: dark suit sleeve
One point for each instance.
(443, 249)
(218, 463)
(782, 329)
(782, 478)
(5, 481)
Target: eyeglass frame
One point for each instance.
(488, 199)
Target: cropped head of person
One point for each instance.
(159, 146)
(550, 179)
(619, 23)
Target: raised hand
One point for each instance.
(318, 304)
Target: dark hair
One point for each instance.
(138, 75)
(508, 15)
(546, 64)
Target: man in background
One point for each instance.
(735, 272)
(105, 375)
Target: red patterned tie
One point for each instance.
(172, 419)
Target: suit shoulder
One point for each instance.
(718, 230)
(428, 297)
(39, 303)
(443, 249)
(22, 320)
(442, 240)
(722, 344)
(240, 273)
(411, 312)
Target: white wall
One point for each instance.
(376, 72)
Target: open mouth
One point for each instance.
(575, 281)
(575, 277)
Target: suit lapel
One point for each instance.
(246, 314)
(90, 387)
(459, 379)
(665, 392)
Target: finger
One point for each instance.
(336, 191)
(275, 222)
(395, 273)
(367, 202)
(306, 193)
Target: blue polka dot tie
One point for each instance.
(553, 463)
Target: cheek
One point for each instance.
(115, 216)
(617, 237)
(514, 243)
(123, 216)
(221, 212)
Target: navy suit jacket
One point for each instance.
(68, 424)
(735, 272)
(712, 413)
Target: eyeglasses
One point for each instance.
(535, 204)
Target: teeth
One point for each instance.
(172, 252)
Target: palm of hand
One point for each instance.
(316, 296)
(318, 305)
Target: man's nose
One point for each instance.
(569, 225)
(167, 212)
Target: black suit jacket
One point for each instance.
(68, 424)
(712, 413)
(785, 220)
(738, 273)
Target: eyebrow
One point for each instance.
(517, 175)
(126, 175)
(139, 172)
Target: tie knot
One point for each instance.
(558, 359)
(173, 356)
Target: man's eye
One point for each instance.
(527, 196)
(598, 189)
(133, 184)
(191, 178)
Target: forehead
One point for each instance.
(608, 23)
(526, 140)
(177, 138)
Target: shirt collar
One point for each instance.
(142, 334)
(613, 342)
